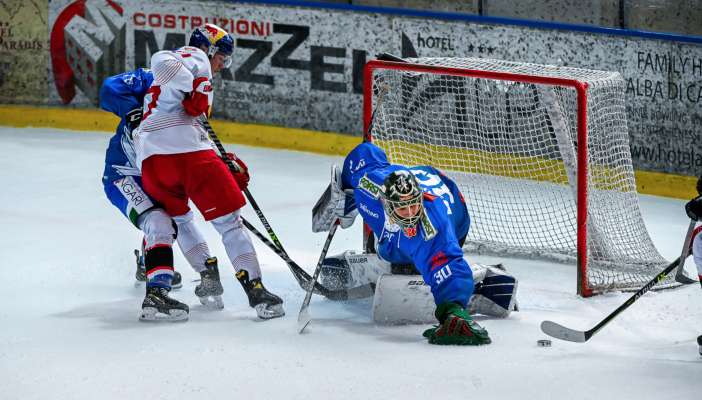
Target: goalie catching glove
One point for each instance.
(334, 203)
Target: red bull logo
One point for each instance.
(214, 32)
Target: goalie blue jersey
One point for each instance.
(434, 244)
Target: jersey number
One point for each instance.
(436, 186)
(441, 275)
(150, 99)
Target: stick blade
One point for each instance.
(561, 332)
(681, 277)
(303, 319)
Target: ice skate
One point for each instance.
(158, 306)
(210, 290)
(266, 304)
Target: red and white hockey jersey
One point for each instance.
(179, 94)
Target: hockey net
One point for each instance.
(541, 154)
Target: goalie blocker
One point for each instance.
(402, 297)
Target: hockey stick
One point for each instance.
(233, 168)
(300, 274)
(304, 318)
(680, 275)
(384, 88)
(303, 278)
(561, 332)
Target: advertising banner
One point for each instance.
(24, 54)
(302, 67)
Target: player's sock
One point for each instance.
(158, 262)
(456, 327)
(210, 289)
(267, 304)
(140, 274)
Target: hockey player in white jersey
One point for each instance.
(123, 95)
(694, 210)
(178, 163)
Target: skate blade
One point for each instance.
(151, 314)
(212, 302)
(265, 311)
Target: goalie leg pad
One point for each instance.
(403, 299)
(495, 294)
(406, 299)
(350, 269)
(494, 300)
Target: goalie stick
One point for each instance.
(304, 318)
(384, 88)
(561, 332)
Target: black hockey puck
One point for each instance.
(543, 343)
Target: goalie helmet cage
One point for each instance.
(541, 154)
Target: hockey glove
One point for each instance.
(456, 327)
(131, 121)
(197, 102)
(335, 203)
(242, 175)
(693, 208)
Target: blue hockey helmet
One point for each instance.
(215, 39)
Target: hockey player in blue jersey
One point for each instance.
(123, 95)
(419, 217)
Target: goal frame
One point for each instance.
(581, 89)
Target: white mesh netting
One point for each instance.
(512, 148)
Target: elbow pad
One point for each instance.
(198, 101)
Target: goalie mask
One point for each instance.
(402, 198)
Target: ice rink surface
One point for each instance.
(69, 328)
